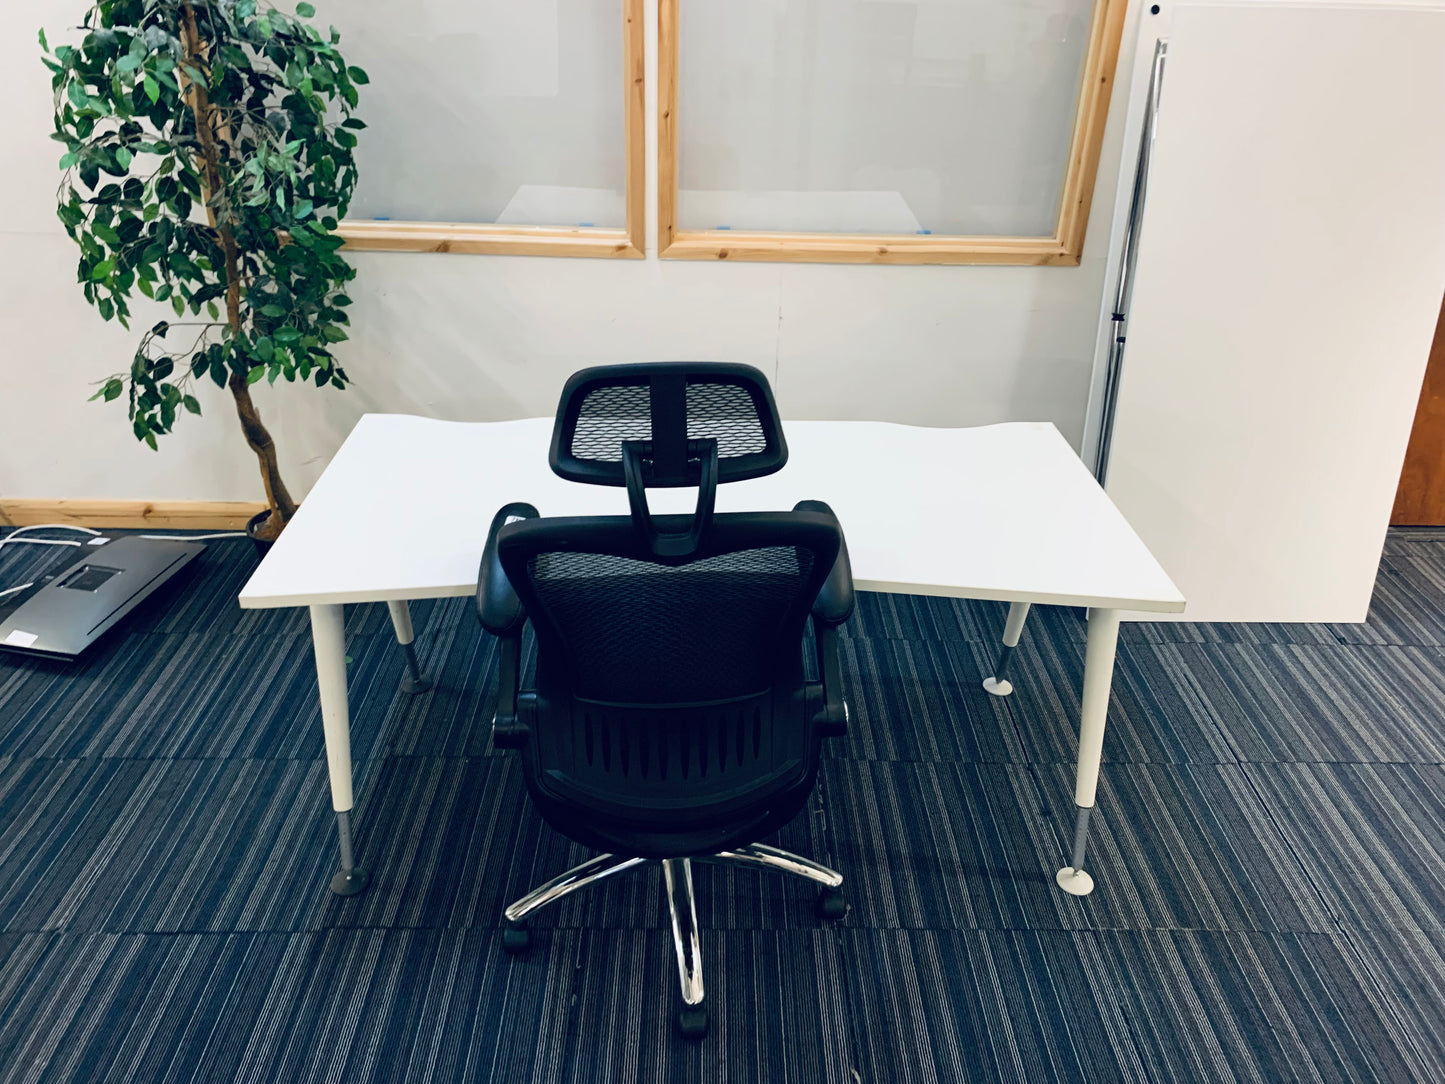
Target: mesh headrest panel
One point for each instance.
(671, 407)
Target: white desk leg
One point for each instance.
(412, 681)
(1013, 628)
(328, 637)
(1098, 677)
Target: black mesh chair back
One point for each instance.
(670, 715)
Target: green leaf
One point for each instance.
(358, 75)
(191, 404)
(256, 373)
(152, 88)
(263, 24)
(68, 160)
(76, 93)
(123, 157)
(128, 63)
(273, 310)
(45, 45)
(333, 334)
(105, 233)
(265, 350)
(303, 9)
(111, 390)
(150, 438)
(102, 270)
(178, 303)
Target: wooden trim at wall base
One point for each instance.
(120, 515)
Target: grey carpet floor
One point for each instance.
(1269, 852)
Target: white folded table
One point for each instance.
(998, 512)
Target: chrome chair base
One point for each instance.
(682, 906)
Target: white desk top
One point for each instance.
(1002, 511)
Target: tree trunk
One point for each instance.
(257, 436)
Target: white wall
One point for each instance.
(473, 337)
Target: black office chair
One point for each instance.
(670, 717)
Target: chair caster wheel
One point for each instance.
(515, 937)
(831, 904)
(692, 1021)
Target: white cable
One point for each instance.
(194, 537)
(11, 537)
(14, 536)
(51, 527)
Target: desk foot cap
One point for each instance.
(997, 687)
(1074, 882)
(411, 686)
(348, 882)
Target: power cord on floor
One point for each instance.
(194, 537)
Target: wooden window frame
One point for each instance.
(495, 239)
(1063, 248)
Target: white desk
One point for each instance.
(999, 512)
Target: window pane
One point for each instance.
(877, 116)
(489, 110)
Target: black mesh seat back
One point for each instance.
(669, 690)
(671, 407)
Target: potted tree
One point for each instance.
(208, 159)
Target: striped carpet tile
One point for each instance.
(408, 1005)
(1371, 835)
(450, 842)
(1407, 969)
(976, 846)
(190, 695)
(947, 1006)
(162, 845)
(1251, 1006)
(1267, 848)
(922, 700)
(1156, 713)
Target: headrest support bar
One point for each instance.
(670, 544)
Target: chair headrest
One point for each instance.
(667, 411)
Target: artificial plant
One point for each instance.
(208, 160)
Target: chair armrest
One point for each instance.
(509, 729)
(498, 607)
(834, 603)
(832, 718)
(501, 614)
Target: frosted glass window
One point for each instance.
(949, 117)
(489, 111)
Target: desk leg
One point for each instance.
(328, 637)
(412, 681)
(1098, 677)
(1013, 628)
